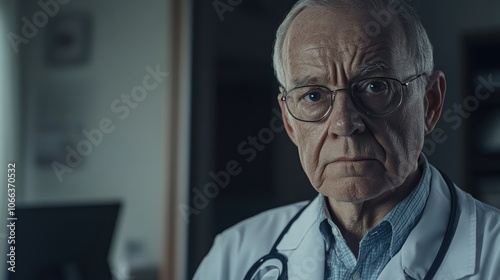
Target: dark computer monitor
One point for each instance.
(64, 242)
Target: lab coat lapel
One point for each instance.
(422, 245)
(304, 246)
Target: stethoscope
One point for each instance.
(268, 267)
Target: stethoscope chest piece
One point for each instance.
(270, 267)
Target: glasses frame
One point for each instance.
(350, 89)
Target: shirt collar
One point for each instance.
(402, 219)
(407, 213)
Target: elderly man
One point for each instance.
(358, 95)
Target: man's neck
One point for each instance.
(355, 219)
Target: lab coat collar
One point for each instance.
(420, 249)
(304, 246)
(307, 222)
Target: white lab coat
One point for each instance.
(474, 252)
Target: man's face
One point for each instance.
(349, 156)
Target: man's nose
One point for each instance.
(345, 119)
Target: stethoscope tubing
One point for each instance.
(450, 228)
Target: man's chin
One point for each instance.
(353, 189)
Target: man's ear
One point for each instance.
(435, 92)
(286, 118)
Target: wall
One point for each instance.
(129, 163)
(446, 22)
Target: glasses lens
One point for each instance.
(310, 103)
(377, 96)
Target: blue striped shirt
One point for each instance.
(379, 244)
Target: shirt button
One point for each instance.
(335, 231)
(356, 276)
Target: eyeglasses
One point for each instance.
(374, 96)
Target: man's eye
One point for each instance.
(312, 96)
(374, 87)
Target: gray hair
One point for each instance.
(417, 41)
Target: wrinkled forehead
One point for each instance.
(343, 44)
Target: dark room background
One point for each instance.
(205, 148)
(234, 100)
